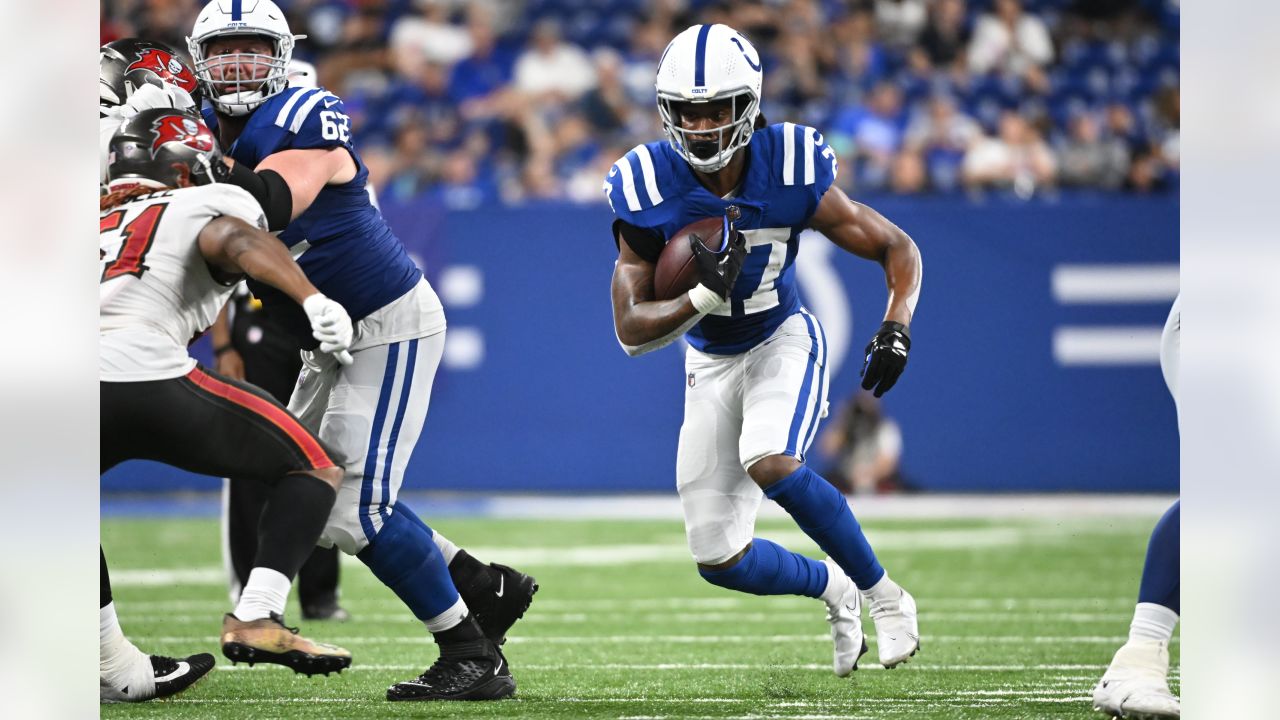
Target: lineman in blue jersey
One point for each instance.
(291, 148)
(756, 363)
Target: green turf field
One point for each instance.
(1018, 619)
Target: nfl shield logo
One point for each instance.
(692, 380)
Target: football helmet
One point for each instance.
(125, 65)
(161, 148)
(229, 89)
(708, 63)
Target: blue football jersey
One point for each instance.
(351, 256)
(789, 167)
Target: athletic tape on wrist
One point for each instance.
(704, 299)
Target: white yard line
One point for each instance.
(697, 639)
(817, 667)
(728, 601)
(564, 618)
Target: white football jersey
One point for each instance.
(156, 292)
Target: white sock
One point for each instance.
(1152, 622)
(120, 663)
(885, 590)
(265, 593)
(447, 548)
(449, 618)
(837, 584)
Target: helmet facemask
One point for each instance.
(237, 83)
(710, 150)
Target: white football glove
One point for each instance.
(331, 325)
(150, 96)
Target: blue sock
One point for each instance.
(405, 558)
(413, 517)
(768, 569)
(1161, 581)
(823, 514)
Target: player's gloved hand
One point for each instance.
(886, 357)
(719, 270)
(331, 325)
(149, 97)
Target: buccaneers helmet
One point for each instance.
(164, 147)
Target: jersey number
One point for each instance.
(137, 241)
(335, 126)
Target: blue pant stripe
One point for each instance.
(371, 456)
(405, 388)
(797, 417)
(822, 385)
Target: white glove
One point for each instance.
(331, 325)
(150, 96)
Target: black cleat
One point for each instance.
(173, 675)
(269, 641)
(474, 670)
(496, 595)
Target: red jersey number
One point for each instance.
(137, 235)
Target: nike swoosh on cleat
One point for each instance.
(498, 669)
(502, 583)
(182, 669)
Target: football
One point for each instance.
(677, 270)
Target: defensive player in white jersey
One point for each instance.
(172, 246)
(292, 149)
(756, 362)
(1136, 684)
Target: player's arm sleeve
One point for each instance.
(269, 190)
(646, 242)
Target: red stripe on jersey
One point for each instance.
(315, 453)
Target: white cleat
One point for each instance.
(845, 616)
(1135, 686)
(897, 632)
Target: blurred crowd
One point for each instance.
(516, 101)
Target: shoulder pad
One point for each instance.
(635, 182)
(316, 116)
(802, 156)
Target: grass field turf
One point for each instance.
(1018, 620)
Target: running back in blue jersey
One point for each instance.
(789, 168)
(352, 256)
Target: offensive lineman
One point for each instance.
(1136, 684)
(291, 149)
(172, 246)
(756, 363)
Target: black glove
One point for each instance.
(886, 357)
(719, 270)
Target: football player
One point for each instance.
(172, 246)
(756, 363)
(291, 148)
(1136, 684)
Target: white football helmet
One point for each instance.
(222, 18)
(703, 64)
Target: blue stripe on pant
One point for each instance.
(410, 361)
(797, 419)
(375, 435)
(821, 371)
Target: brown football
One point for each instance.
(677, 270)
